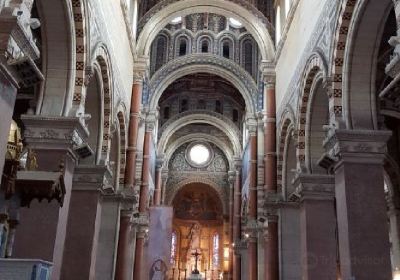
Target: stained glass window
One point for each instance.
(173, 248)
(215, 253)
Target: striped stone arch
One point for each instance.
(81, 50)
(286, 124)
(123, 135)
(340, 42)
(314, 67)
(101, 58)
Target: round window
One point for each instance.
(199, 154)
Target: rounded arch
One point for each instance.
(285, 130)
(360, 63)
(199, 137)
(123, 145)
(81, 49)
(314, 67)
(204, 63)
(200, 118)
(58, 56)
(101, 58)
(174, 190)
(157, 18)
(186, 36)
(339, 45)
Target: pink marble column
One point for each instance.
(252, 245)
(136, 100)
(123, 271)
(318, 226)
(143, 205)
(364, 245)
(158, 187)
(271, 248)
(237, 222)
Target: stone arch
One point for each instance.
(188, 37)
(58, 56)
(165, 11)
(172, 192)
(314, 67)
(187, 119)
(205, 35)
(81, 49)
(365, 31)
(101, 58)
(286, 128)
(123, 146)
(339, 46)
(204, 63)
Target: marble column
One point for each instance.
(42, 230)
(158, 185)
(123, 256)
(237, 222)
(271, 249)
(134, 118)
(231, 220)
(84, 221)
(317, 226)
(364, 246)
(252, 214)
(143, 202)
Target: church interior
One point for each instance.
(200, 139)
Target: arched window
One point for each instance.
(159, 50)
(174, 241)
(218, 107)
(204, 46)
(166, 113)
(235, 115)
(201, 105)
(248, 56)
(215, 251)
(226, 50)
(184, 106)
(182, 47)
(278, 25)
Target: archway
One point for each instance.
(198, 220)
(155, 21)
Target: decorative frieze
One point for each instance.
(55, 133)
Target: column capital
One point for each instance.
(140, 69)
(361, 146)
(268, 73)
(57, 133)
(314, 187)
(97, 178)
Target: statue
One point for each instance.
(158, 270)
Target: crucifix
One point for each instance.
(196, 255)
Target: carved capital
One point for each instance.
(355, 145)
(315, 187)
(93, 178)
(56, 133)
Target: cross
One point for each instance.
(196, 255)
